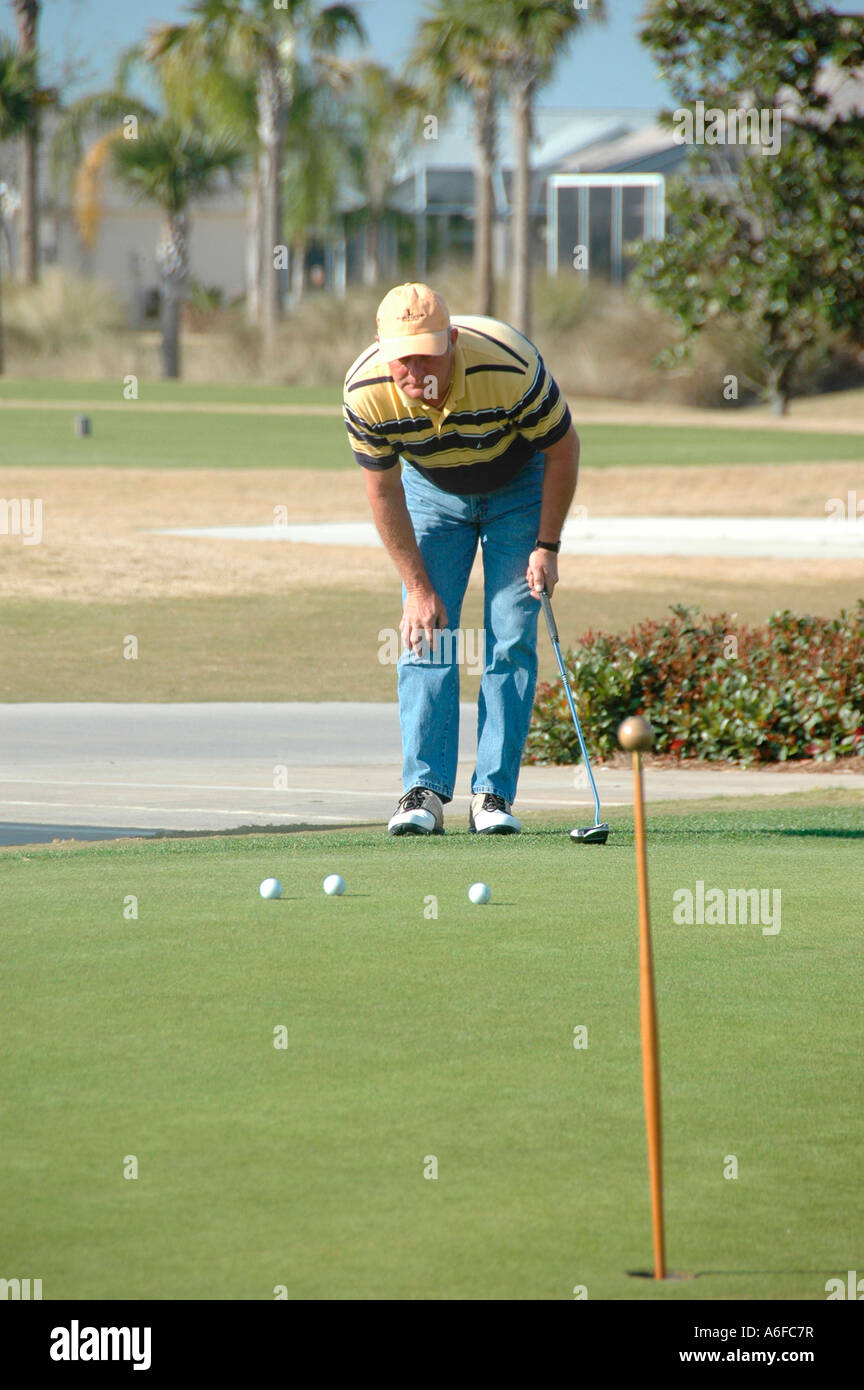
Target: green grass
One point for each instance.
(137, 439)
(613, 446)
(39, 389)
(409, 1036)
(131, 438)
(268, 646)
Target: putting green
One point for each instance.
(411, 1036)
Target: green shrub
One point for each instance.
(791, 689)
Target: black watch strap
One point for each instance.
(548, 545)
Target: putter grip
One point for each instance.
(548, 615)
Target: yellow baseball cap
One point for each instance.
(413, 321)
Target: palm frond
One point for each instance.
(19, 88)
(170, 163)
(88, 190)
(330, 27)
(98, 109)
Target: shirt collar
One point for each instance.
(457, 381)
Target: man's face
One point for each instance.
(424, 378)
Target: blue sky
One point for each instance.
(605, 67)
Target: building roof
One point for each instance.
(558, 132)
(651, 148)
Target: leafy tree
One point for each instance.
(774, 241)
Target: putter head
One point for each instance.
(591, 835)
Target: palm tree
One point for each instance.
(169, 164)
(534, 34)
(220, 96)
(79, 173)
(461, 49)
(315, 165)
(384, 114)
(18, 91)
(266, 40)
(27, 20)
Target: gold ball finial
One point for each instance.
(635, 734)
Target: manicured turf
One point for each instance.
(132, 438)
(410, 1036)
(42, 389)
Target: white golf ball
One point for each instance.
(270, 888)
(479, 892)
(334, 885)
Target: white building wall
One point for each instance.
(125, 251)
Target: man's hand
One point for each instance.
(559, 485)
(542, 572)
(423, 614)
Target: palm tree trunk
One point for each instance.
(6, 240)
(253, 250)
(172, 256)
(30, 203)
(298, 269)
(170, 329)
(484, 281)
(271, 119)
(520, 311)
(2, 361)
(370, 250)
(27, 18)
(271, 276)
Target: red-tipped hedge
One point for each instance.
(714, 689)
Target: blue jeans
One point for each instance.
(447, 528)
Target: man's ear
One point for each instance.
(454, 334)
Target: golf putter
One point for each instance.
(598, 833)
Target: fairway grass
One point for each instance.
(410, 1036)
(133, 438)
(39, 389)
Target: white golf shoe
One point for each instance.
(418, 812)
(492, 815)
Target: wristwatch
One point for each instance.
(548, 545)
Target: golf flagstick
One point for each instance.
(598, 833)
(636, 735)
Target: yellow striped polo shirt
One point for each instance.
(502, 408)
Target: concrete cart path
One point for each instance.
(98, 771)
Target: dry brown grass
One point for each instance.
(797, 489)
(97, 546)
(597, 339)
